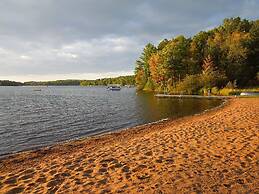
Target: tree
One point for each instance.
(208, 65)
(10, 83)
(197, 51)
(174, 55)
(210, 75)
(140, 78)
(145, 56)
(229, 51)
(253, 50)
(142, 65)
(235, 24)
(162, 44)
(154, 63)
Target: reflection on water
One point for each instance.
(152, 108)
(31, 119)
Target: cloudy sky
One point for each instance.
(86, 39)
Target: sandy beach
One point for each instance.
(214, 152)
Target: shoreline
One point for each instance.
(193, 96)
(203, 146)
(101, 134)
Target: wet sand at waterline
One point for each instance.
(215, 152)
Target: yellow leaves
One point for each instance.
(239, 36)
(154, 62)
(218, 38)
(236, 39)
(139, 76)
(231, 43)
(235, 44)
(216, 41)
(193, 47)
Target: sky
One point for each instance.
(89, 39)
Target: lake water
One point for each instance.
(30, 119)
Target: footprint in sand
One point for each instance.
(15, 190)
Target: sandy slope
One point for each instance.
(216, 152)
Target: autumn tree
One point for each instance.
(197, 52)
(228, 52)
(174, 55)
(142, 70)
(211, 76)
(162, 44)
(145, 56)
(208, 65)
(154, 63)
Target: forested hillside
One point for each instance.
(226, 56)
(122, 80)
(10, 83)
(53, 83)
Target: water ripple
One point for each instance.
(30, 119)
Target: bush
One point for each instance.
(234, 92)
(212, 79)
(215, 91)
(160, 89)
(190, 85)
(149, 86)
(225, 91)
(229, 92)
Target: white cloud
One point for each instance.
(3, 51)
(67, 55)
(25, 57)
(105, 54)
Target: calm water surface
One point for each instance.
(30, 119)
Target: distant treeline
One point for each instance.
(226, 56)
(122, 80)
(10, 83)
(53, 83)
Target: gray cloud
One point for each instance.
(87, 36)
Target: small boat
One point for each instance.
(37, 90)
(114, 87)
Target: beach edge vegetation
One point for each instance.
(220, 61)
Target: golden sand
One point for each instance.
(215, 152)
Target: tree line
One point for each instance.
(10, 83)
(226, 56)
(121, 80)
(53, 83)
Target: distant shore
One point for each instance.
(214, 152)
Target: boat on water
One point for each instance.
(114, 87)
(37, 89)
